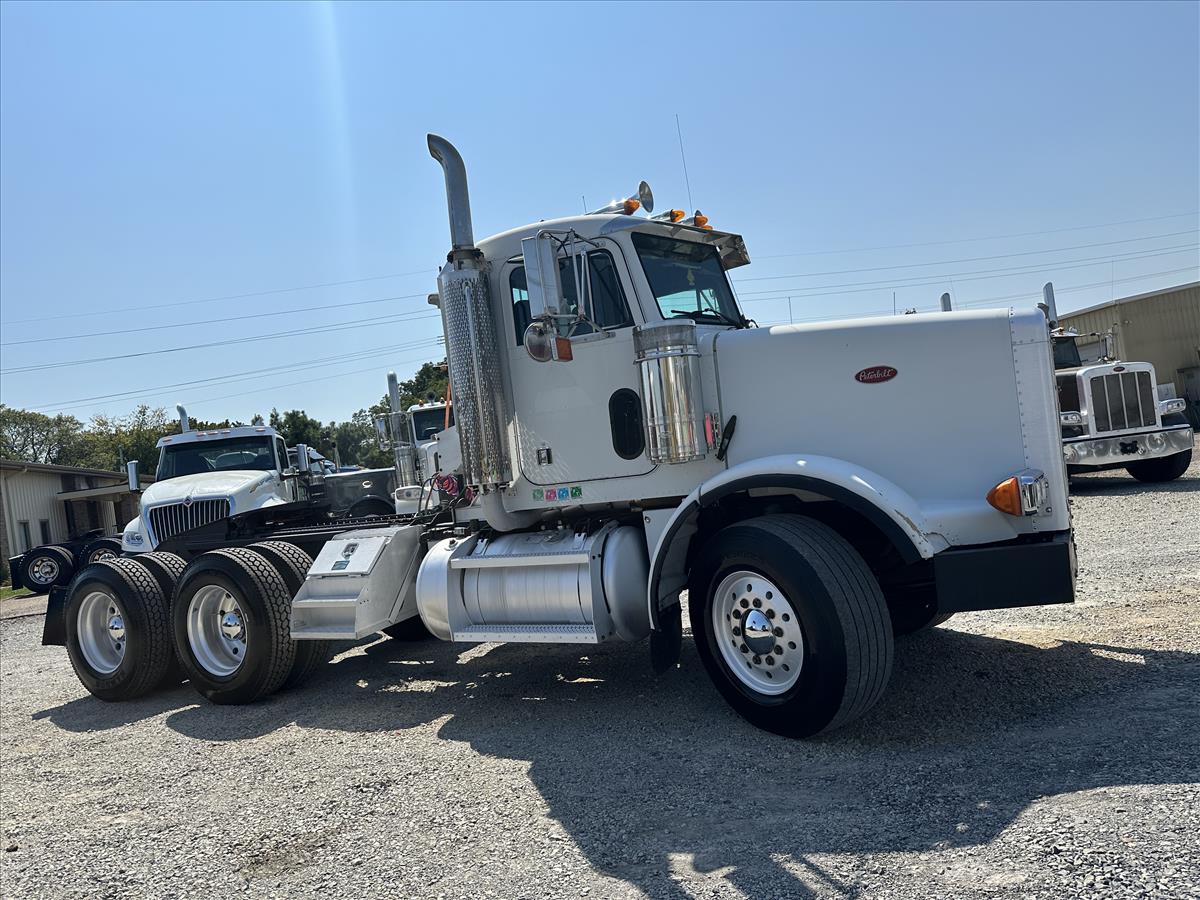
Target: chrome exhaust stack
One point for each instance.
(481, 409)
(184, 424)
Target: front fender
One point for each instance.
(135, 538)
(885, 504)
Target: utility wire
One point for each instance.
(221, 321)
(372, 322)
(951, 262)
(994, 237)
(287, 290)
(863, 287)
(247, 375)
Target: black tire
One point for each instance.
(45, 567)
(167, 568)
(409, 630)
(265, 603)
(293, 564)
(98, 550)
(138, 597)
(370, 506)
(847, 640)
(1165, 468)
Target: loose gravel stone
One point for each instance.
(1047, 752)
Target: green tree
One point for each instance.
(35, 437)
(298, 427)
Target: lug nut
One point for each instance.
(770, 613)
(737, 613)
(778, 632)
(778, 650)
(757, 603)
(744, 648)
(757, 660)
(742, 603)
(737, 631)
(770, 660)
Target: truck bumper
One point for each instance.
(54, 631)
(1121, 450)
(1019, 573)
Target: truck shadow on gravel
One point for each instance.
(1127, 486)
(655, 779)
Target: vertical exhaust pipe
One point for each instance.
(1048, 302)
(946, 307)
(184, 426)
(458, 201)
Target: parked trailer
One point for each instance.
(624, 434)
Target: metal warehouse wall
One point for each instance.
(1162, 328)
(31, 497)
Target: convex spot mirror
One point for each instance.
(544, 344)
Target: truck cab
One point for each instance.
(1112, 416)
(205, 476)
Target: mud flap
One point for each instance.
(666, 641)
(54, 631)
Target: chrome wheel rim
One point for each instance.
(757, 632)
(216, 628)
(44, 571)
(101, 627)
(101, 555)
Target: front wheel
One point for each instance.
(1165, 468)
(793, 628)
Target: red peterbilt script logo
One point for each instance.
(875, 374)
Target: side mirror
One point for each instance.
(544, 344)
(131, 468)
(383, 432)
(541, 276)
(302, 461)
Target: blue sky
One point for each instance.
(154, 157)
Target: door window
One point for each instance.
(608, 298)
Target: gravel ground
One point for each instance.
(1049, 752)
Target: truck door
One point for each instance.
(581, 420)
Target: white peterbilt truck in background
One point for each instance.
(1111, 413)
(625, 435)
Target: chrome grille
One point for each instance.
(175, 518)
(1123, 400)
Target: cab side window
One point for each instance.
(608, 298)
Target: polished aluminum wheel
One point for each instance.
(757, 632)
(216, 628)
(101, 626)
(43, 571)
(101, 555)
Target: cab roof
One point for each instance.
(507, 244)
(217, 434)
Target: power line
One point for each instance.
(864, 287)
(319, 329)
(221, 321)
(287, 290)
(951, 262)
(995, 237)
(247, 375)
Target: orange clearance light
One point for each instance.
(630, 206)
(1006, 497)
(701, 221)
(675, 215)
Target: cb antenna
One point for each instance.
(687, 181)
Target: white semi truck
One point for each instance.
(1111, 413)
(624, 435)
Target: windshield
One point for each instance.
(229, 455)
(687, 279)
(1066, 354)
(428, 422)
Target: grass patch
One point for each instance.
(7, 591)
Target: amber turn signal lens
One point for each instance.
(1006, 497)
(701, 221)
(630, 206)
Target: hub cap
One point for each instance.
(101, 555)
(44, 570)
(216, 629)
(101, 626)
(757, 632)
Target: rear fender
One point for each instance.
(887, 506)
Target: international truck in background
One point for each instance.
(1112, 415)
(623, 435)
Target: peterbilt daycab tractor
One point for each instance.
(1111, 414)
(625, 437)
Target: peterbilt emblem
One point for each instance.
(875, 374)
